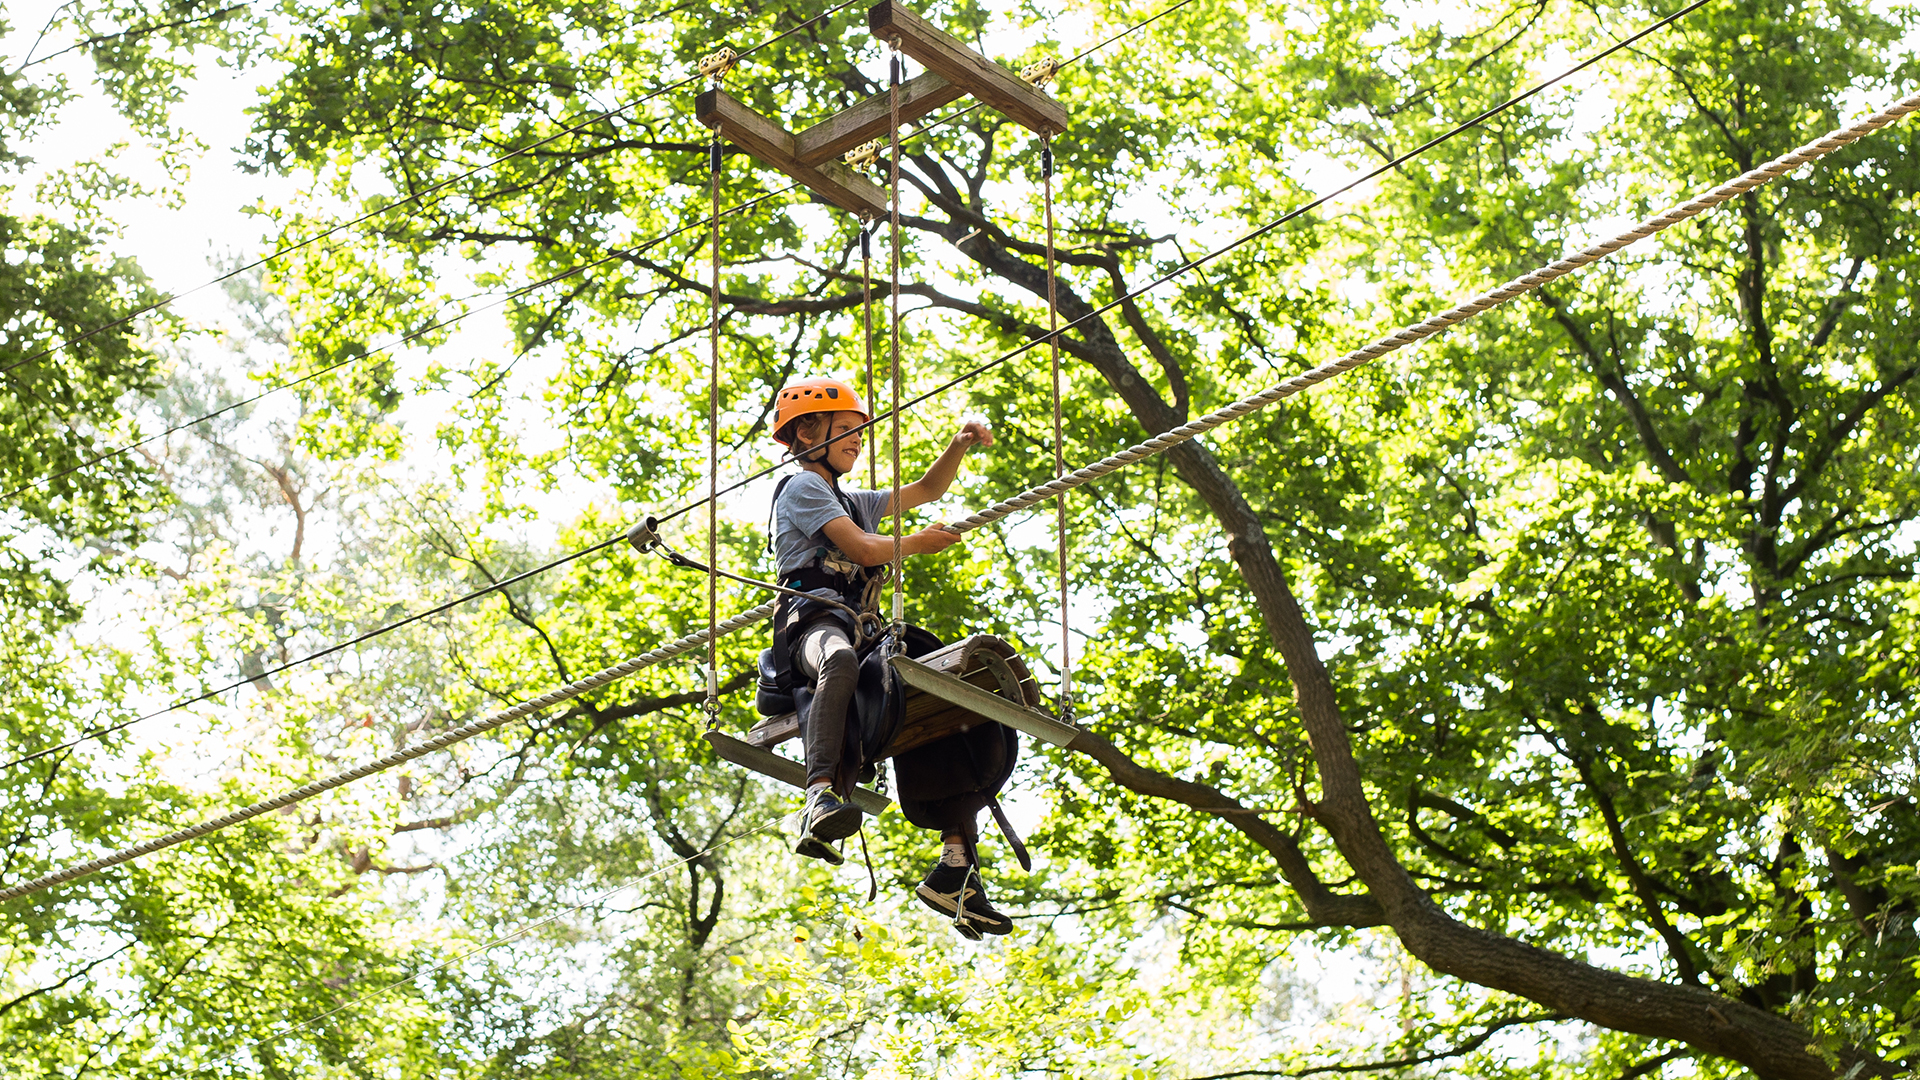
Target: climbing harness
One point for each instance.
(645, 539)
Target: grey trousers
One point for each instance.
(825, 655)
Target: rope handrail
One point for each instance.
(1427, 328)
(1408, 335)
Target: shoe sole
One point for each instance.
(836, 824)
(813, 848)
(969, 925)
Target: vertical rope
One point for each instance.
(893, 103)
(1059, 442)
(712, 705)
(866, 311)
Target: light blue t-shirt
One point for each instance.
(805, 506)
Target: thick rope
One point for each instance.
(712, 705)
(899, 555)
(437, 743)
(1420, 331)
(866, 311)
(1059, 437)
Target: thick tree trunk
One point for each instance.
(1768, 1044)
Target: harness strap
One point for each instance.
(1006, 830)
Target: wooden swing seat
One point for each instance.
(977, 680)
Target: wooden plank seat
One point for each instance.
(977, 680)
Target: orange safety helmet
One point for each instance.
(797, 399)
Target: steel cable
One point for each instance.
(411, 335)
(1400, 339)
(399, 757)
(982, 368)
(415, 197)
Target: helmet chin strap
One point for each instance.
(824, 460)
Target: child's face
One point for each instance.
(842, 453)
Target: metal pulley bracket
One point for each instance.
(717, 64)
(1041, 72)
(645, 534)
(865, 156)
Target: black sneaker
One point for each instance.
(957, 893)
(823, 819)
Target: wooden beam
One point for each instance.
(786, 770)
(772, 144)
(870, 119)
(941, 52)
(985, 703)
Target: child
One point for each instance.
(827, 541)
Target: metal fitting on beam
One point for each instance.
(716, 64)
(1041, 72)
(863, 157)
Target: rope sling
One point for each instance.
(894, 66)
(1059, 443)
(711, 706)
(1409, 335)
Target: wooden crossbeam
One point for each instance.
(774, 145)
(851, 127)
(942, 53)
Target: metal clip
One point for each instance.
(1041, 72)
(862, 157)
(645, 534)
(715, 65)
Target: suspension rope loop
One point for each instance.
(894, 74)
(712, 704)
(1059, 426)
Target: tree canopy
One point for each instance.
(1555, 676)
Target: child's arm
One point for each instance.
(872, 549)
(939, 476)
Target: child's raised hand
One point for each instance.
(974, 433)
(934, 538)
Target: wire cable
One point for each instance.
(399, 757)
(1409, 335)
(895, 76)
(410, 619)
(1230, 246)
(975, 372)
(514, 935)
(712, 704)
(1059, 436)
(411, 335)
(413, 198)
